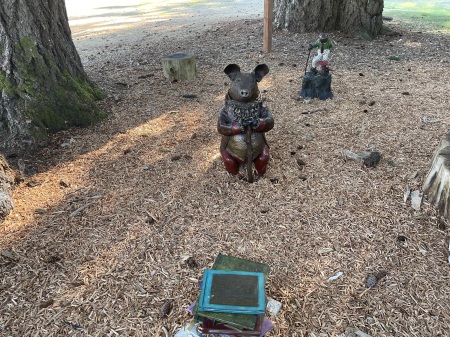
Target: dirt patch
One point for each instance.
(98, 23)
(102, 229)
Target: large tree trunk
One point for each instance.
(355, 17)
(43, 85)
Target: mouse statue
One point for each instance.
(243, 122)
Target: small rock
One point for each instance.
(33, 183)
(369, 158)
(402, 240)
(300, 162)
(8, 255)
(273, 307)
(176, 158)
(165, 309)
(46, 303)
(68, 143)
(353, 332)
(373, 159)
(371, 281)
(63, 183)
(191, 263)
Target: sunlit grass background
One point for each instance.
(434, 15)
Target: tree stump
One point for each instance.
(316, 86)
(179, 67)
(436, 186)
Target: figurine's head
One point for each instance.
(244, 86)
(323, 37)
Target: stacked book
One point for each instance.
(232, 299)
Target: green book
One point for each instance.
(234, 321)
(226, 262)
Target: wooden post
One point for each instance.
(268, 25)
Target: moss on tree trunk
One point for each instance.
(43, 85)
(55, 98)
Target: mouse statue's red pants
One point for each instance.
(232, 163)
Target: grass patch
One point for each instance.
(427, 15)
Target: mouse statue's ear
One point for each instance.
(232, 70)
(260, 71)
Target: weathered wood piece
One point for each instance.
(436, 186)
(369, 158)
(180, 67)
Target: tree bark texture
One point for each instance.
(361, 18)
(43, 86)
(7, 181)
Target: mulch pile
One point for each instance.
(114, 224)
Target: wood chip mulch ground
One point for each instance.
(114, 224)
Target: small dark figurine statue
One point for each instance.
(317, 81)
(243, 121)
